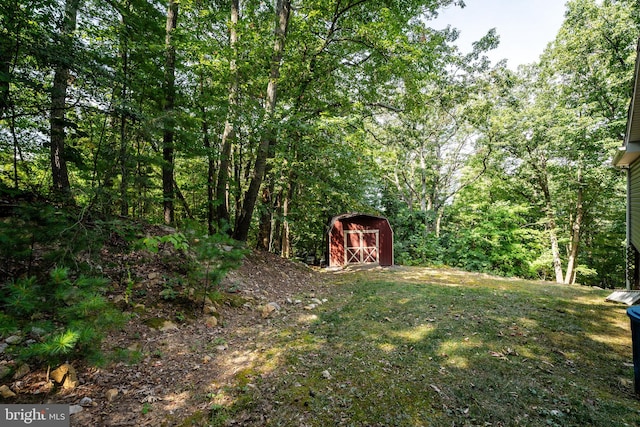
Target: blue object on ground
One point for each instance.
(634, 314)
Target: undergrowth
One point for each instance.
(53, 294)
(52, 297)
(57, 318)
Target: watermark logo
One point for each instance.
(34, 415)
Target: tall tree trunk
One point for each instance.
(439, 216)
(168, 190)
(540, 168)
(211, 164)
(552, 229)
(228, 135)
(209, 149)
(5, 75)
(183, 200)
(59, 170)
(423, 184)
(9, 46)
(243, 222)
(285, 229)
(124, 94)
(17, 152)
(238, 173)
(575, 233)
(266, 215)
(555, 251)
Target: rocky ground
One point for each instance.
(173, 359)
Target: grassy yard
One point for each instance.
(431, 347)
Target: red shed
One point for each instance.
(357, 238)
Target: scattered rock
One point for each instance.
(153, 275)
(13, 340)
(206, 359)
(270, 308)
(38, 332)
(86, 401)
(21, 371)
(211, 321)
(221, 347)
(74, 409)
(168, 325)
(71, 381)
(58, 374)
(557, 413)
(65, 375)
(155, 322)
(139, 308)
(210, 309)
(136, 346)
(310, 306)
(316, 301)
(625, 382)
(111, 394)
(6, 392)
(326, 375)
(3, 347)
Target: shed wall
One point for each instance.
(336, 245)
(336, 249)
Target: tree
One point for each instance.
(228, 134)
(59, 170)
(427, 142)
(243, 223)
(169, 103)
(592, 57)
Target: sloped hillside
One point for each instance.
(174, 352)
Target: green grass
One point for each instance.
(421, 347)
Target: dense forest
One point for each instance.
(261, 120)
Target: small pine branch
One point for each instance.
(23, 297)
(62, 343)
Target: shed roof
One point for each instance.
(352, 215)
(630, 151)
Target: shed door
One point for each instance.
(361, 246)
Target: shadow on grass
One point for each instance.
(433, 348)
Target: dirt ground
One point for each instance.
(174, 362)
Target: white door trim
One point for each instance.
(361, 254)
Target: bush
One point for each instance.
(216, 254)
(58, 317)
(205, 258)
(37, 237)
